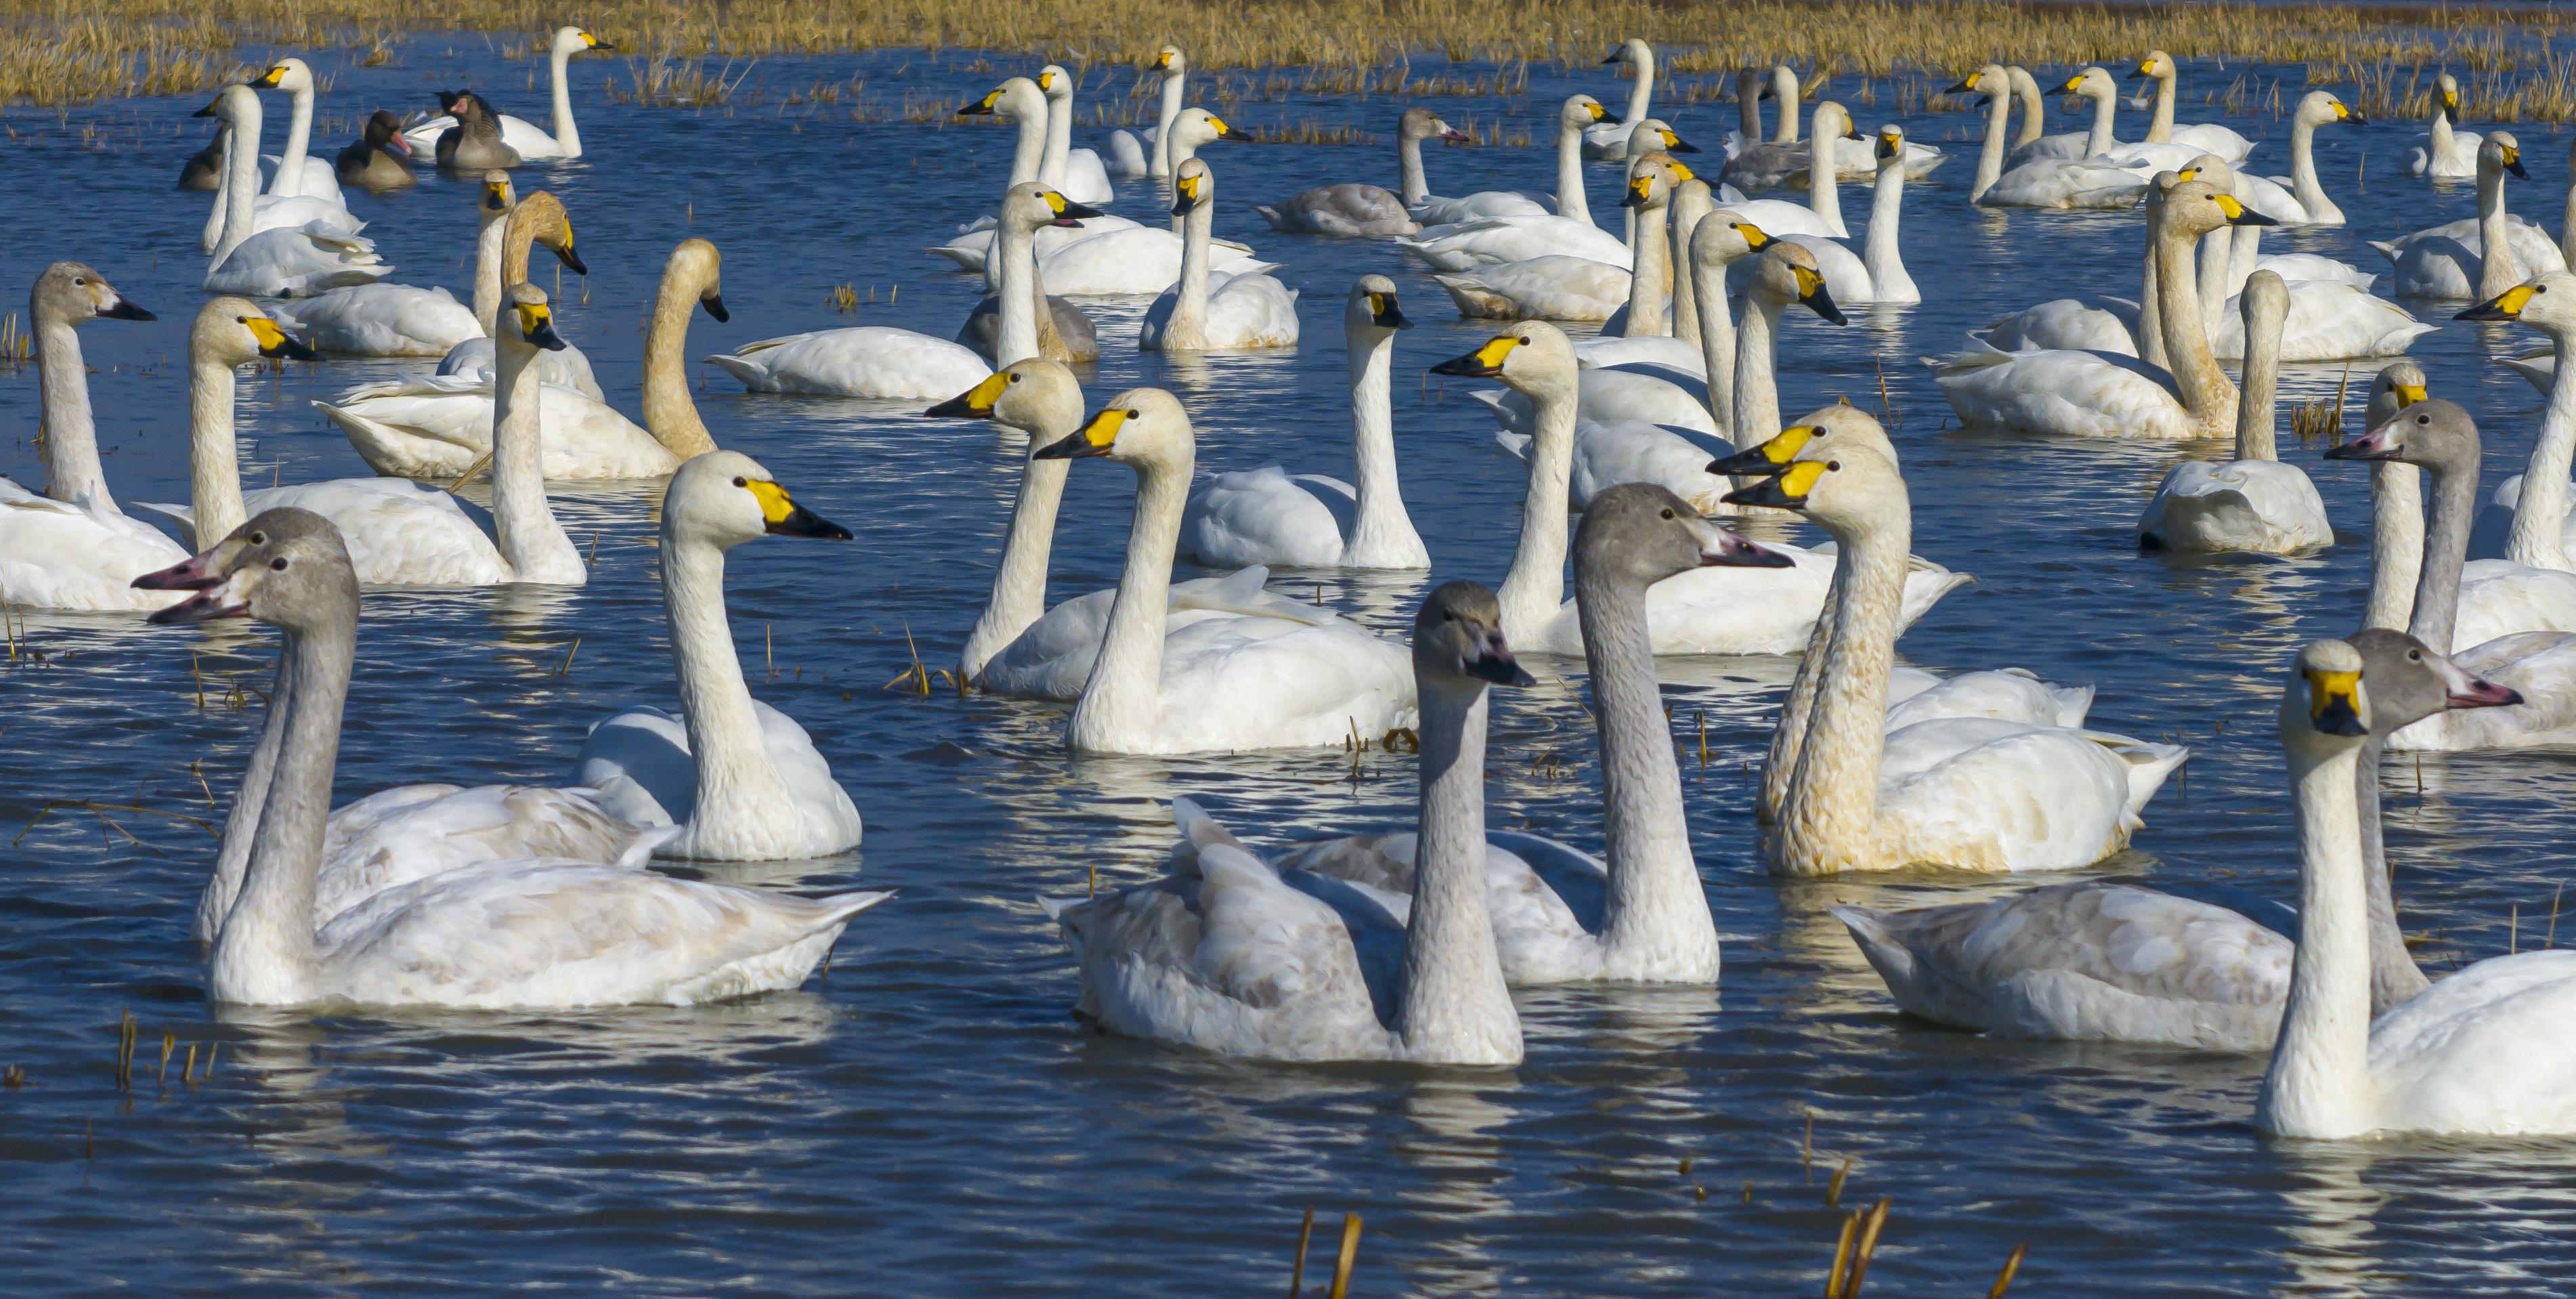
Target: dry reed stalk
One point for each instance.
(1350, 1254)
(2012, 1268)
(1305, 1231)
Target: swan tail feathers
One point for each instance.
(2388, 250)
(1876, 941)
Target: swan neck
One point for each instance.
(1122, 703)
(264, 954)
(241, 180)
(2303, 174)
(1029, 149)
(567, 134)
(2099, 139)
(1412, 185)
(214, 468)
(2160, 128)
(1785, 131)
(1685, 302)
(1656, 912)
(741, 797)
(1019, 582)
(2319, 1082)
(1059, 141)
(1571, 202)
(1535, 586)
(2034, 113)
(2396, 543)
(2151, 314)
(1650, 312)
(72, 468)
(1171, 112)
(2542, 512)
(2210, 262)
(1717, 342)
(1016, 294)
(2262, 374)
(1780, 765)
(299, 138)
(1829, 821)
(1454, 1005)
(2394, 976)
(487, 273)
(670, 414)
(1187, 327)
(2496, 271)
(2446, 552)
(1757, 394)
(2567, 227)
(2205, 389)
(1881, 252)
(1641, 92)
(241, 823)
(1383, 536)
(530, 539)
(1824, 198)
(1990, 156)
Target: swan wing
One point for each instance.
(1631, 451)
(2254, 506)
(2483, 1050)
(395, 836)
(2063, 392)
(81, 555)
(380, 320)
(639, 761)
(1264, 516)
(1980, 794)
(1345, 209)
(1551, 288)
(1233, 683)
(874, 361)
(2004, 694)
(400, 533)
(1544, 898)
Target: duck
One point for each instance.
(473, 140)
(274, 210)
(741, 779)
(277, 261)
(2253, 504)
(1269, 516)
(1135, 159)
(501, 249)
(2445, 152)
(1224, 955)
(1355, 210)
(1242, 310)
(512, 933)
(531, 142)
(2476, 1054)
(71, 547)
(2117, 962)
(298, 172)
(1078, 174)
(1573, 117)
(1971, 793)
(379, 159)
(1221, 683)
(2207, 137)
(2449, 261)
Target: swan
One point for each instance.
(298, 172)
(2474, 1053)
(1576, 115)
(2531, 303)
(1075, 173)
(380, 320)
(1972, 793)
(1222, 683)
(1050, 326)
(2207, 137)
(1752, 86)
(2120, 963)
(2254, 503)
(742, 779)
(1607, 140)
(1652, 180)
(280, 262)
(1126, 258)
(1149, 159)
(1877, 275)
(1356, 209)
(1690, 204)
(2094, 394)
(2449, 261)
(72, 548)
(521, 933)
(474, 143)
(1554, 287)
(2330, 319)
(1822, 213)
(1225, 956)
(501, 249)
(1782, 273)
(379, 159)
(1269, 516)
(271, 211)
(2297, 199)
(2445, 152)
(1767, 166)
(1018, 100)
(1243, 310)
(1559, 914)
(533, 143)
(2096, 85)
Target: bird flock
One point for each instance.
(1404, 943)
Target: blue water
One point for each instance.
(927, 1118)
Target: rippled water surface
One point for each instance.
(927, 1118)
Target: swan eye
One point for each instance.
(1668, 511)
(2423, 419)
(1015, 378)
(1833, 466)
(2414, 656)
(278, 564)
(259, 538)
(740, 481)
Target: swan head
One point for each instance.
(1651, 179)
(1633, 52)
(499, 196)
(1037, 396)
(2157, 64)
(2446, 96)
(287, 567)
(2410, 681)
(540, 219)
(2321, 108)
(1832, 119)
(1171, 61)
(1820, 436)
(1372, 312)
(1988, 80)
(1584, 110)
(1015, 100)
(1532, 357)
(1652, 136)
(384, 131)
(574, 40)
(1140, 426)
(2325, 708)
(1848, 492)
(1197, 126)
(73, 293)
(2433, 434)
(725, 498)
(2546, 302)
(1787, 273)
(2091, 83)
(529, 319)
(234, 331)
(1784, 83)
(1193, 186)
(1891, 146)
(1458, 640)
(1420, 123)
(2501, 152)
(2399, 386)
(1055, 82)
(696, 262)
(289, 75)
(1724, 240)
(1030, 205)
(1637, 534)
(2193, 208)
(238, 107)
(2212, 168)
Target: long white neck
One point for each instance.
(2542, 511)
(567, 134)
(2303, 175)
(1570, 200)
(2567, 223)
(2209, 264)
(1535, 586)
(1650, 313)
(1822, 196)
(2099, 138)
(1453, 1005)
(1829, 819)
(2441, 131)
(241, 180)
(1124, 697)
(2205, 389)
(2496, 271)
(1019, 583)
(1717, 341)
(1990, 157)
(1029, 150)
(1757, 395)
(2262, 376)
(1880, 252)
(1690, 206)
(487, 272)
(1785, 90)
(264, 954)
(1171, 112)
(72, 468)
(2244, 255)
(1412, 186)
(299, 137)
(1383, 536)
(1015, 295)
(741, 799)
(1656, 919)
(1641, 92)
(531, 542)
(1059, 140)
(2151, 313)
(2319, 1084)
(214, 469)
(2396, 543)
(2034, 111)
(2160, 129)
(241, 824)
(670, 414)
(211, 236)
(2446, 552)
(1186, 329)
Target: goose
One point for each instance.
(1224, 955)
(203, 172)
(1020, 647)
(1075, 173)
(1222, 683)
(2329, 319)
(1764, 612)
(280, 261)
(742, 779)
(1559, 914)
(241, 116)
(2254, 503)
(1971, 793)
(473, 142)
(525, 933)
(1775, 164)
(2095, 394)
(2115, 962)
(1148, 159)
(531, 142)
(501, 250)
(298, 172)
(379, 159)
(2206, 137)
(2449, 261)
(1576, 115)
(2473, 1054)
(2445, 152)
(1269, 516)
(1365, 210)
(2491, 537)
(1607, 141)
(1243, 310)
(72, 548)
(1877, 275)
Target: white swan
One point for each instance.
(276, 210)
(1822, 213)
(72, 548)
(2477, 1053)
(1242, 310)
(1148, 159)
(1075, 173)
(1221, 683)
(381, 320)
(1576, 115)
(298, 171)
(1352, 208)
(523, 933)
(1223, 955)
(534, 143)
(2207, 137)
(501, 249)
(1018, 100)
(2445, 151)
(1269, 516)
(2329, 319)
(1877, 275)
(2253, 503)
(2298, 199)
(2554, 315)
(285, 262)
(2450, 261)
(742, 779)
(1607, 141)
(1970, 793)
